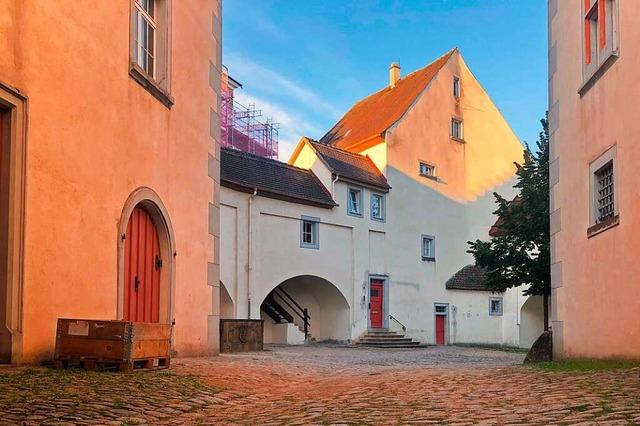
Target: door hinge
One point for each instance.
(158, 263)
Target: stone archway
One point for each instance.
(531, 321)
(327, 307)
(148, 200)
(227, 307)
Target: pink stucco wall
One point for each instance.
(596, 296)
(94, 136)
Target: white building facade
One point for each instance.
(368, 228)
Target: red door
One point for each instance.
(440, 329)
(375, 303)
(142, 267)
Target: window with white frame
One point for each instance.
(150, 47)
(428, 247)
(354, 203)
(605, 192)
(427, 170)
(309, 228)
(377, 207)
(144, 35)
(600, 38)
(495, 306)
(456, 128)
(456, 87)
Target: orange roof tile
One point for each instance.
(369, 118)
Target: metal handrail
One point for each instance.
(304, 316)
(396, 320)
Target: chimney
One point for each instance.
(394, 74)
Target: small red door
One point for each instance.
(142, 267)
(440, 329)
(375, 303)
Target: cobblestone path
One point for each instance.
(323, 385)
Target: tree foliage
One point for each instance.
(519, 254)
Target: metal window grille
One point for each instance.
(604, 177)
(144, 31)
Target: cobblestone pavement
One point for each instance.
(328, 385)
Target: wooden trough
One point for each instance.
(112, 345)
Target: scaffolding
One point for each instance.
(240, 125)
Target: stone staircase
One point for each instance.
(385, 339)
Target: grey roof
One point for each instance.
(471, 277)
(350, 165)
(272, 178)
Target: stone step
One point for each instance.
(381, 340)
(411, 344)
(377, 336)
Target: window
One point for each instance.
(456, 87)
(604, 179)
(144, 31)
(602, 188)
(150, 47)
(427, 170)
(495, 306)
(354, 202)
(377, 207)
(600, 34)
(441, 309)
(309, 232)
(456, 129)
(428, 248)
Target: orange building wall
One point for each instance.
(94, 136)
(596, 296)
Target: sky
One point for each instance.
(304, 63)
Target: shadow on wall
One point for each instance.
(327, 307)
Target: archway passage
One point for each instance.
(283, 311)
(531, 321)
(142, 269)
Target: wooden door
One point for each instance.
(142, 268)
(441, 321)
(376, 303)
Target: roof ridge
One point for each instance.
(324, 145)
(410, 74)
(261, 158)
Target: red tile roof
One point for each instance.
(369, 118)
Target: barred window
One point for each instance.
(605, 195)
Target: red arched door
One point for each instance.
(142, 268)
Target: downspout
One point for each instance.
(333, 186)
(249, 257)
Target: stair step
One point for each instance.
(389, 345)
(391, 341)
(377, 336)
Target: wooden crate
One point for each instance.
(241, 335)
(120, 345)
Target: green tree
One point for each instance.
(519, 252)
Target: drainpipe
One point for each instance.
(249, 257)
(333, 186)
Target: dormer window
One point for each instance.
(427, 170)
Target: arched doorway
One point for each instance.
(227, 307)
(531, 321)
(328, 309)
(145, 260)
(142, 269)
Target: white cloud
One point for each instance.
(274, 83)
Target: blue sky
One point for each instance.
(306, 62)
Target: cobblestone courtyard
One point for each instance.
(327, 385)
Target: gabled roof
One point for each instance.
(369, 118)
(350, 166)
(471, 277)
(245, 172)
